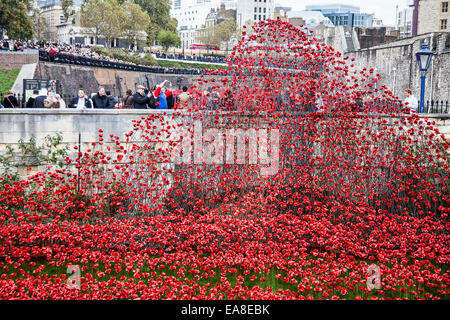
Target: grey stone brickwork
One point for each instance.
(397, 64)
(73, 77)
(15, 60)
(18, 124)
(23, 123)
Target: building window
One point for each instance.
(444, 7)
(444, 24)
(259, 10)
(256, 9)
(255, 17)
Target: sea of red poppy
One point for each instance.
(358, 208)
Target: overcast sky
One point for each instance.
(384, 9)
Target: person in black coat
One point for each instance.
(81, 102)
(39, 102)
(101, 101)
(140, 99)
(30, 102)
(152, 101)
(170, 101)
(112, 99)
(10, 101)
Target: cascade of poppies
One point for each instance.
(292, 152)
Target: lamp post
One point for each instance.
(424, 58)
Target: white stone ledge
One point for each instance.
(144, 112)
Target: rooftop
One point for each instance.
(312, 18)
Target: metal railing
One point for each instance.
(86, 61)
(436, 106)
(193, 58)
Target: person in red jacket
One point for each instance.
(163, 94)
(52, 52)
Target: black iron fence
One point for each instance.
(431, 106)
(436, 106)
(193, 58)
(86, 61)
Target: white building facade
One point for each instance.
(312, 18)
(254, 11)
(404, 21)
(191, 14)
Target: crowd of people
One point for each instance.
(79, 50)
(17, 45)
(81, 54)
(161, 96)
(193, 58)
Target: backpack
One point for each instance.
(152, 102)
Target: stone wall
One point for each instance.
(16, 124)
(73, 77)
(397, 64)
(15, 60)
(23, 123)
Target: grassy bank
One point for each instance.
(7, 78)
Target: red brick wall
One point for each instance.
(15, 60)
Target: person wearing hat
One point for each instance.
(140, 99)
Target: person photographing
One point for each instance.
(163, 93)
(140, 99)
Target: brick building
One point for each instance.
(370, 37)
(215, 17)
